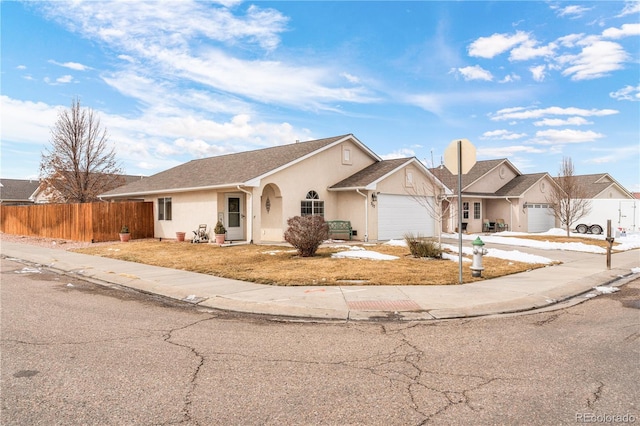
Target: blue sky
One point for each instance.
(172, 81)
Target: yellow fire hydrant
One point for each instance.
(478, 252)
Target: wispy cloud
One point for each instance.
(566, 136)
(627, 93)
(71, 65)
(502, 134)
(521, 113)
(475, 72)
(489, 47)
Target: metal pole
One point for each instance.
(460, 212)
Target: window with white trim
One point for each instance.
(476, 210)
(164, 208)
(465, 210)
(312, 205)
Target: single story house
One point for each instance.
(495, 191)
(18, 191)
(254, 193)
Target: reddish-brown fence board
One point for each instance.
(79, 222)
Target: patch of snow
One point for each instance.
(606, 290)
(514, 255)
(499, 238)
(635, 270)
(27, 270)
(363, 254)
(396, 243)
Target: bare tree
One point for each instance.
(80, 164)
(569, 200)
(437, 207)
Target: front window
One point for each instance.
(164, 208)
(312, 205)
(465, 210)
(476, 210)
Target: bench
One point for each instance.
(340, 227)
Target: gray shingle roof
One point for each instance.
(371, 173)
(591, 184)
(480, 169)
(231, 169)
(17, 189)
(519, 185)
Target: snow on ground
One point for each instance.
(363, 254)
(514, 255)
(629, 242)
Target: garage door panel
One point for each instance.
(402, 214)
(540, 218)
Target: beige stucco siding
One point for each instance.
(316, 173)
(493, 180)
(612, 192)
(188, 210)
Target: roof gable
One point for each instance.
(477, 172)
(17, 189)
(242, 168)
(595, 184)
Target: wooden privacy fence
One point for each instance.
(93, 222)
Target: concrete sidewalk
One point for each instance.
(514, 293)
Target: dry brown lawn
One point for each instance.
(280, 265)
(560, 239)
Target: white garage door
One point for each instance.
(400, 214)
(540, 217)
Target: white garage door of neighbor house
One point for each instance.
(400, 214)
(540, 218)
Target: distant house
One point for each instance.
(18, 191)
(494, 192)
(47, 194)
(254, 192)
(609, 201)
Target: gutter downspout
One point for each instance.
(366, 215)
(249, 213)
(510, 212)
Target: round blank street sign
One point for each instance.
(468, 154)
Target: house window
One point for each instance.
(164, 208)
(312, 205)
(476, 210)
(465, 210)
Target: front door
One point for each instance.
(234, 216)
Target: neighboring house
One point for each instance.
(254, 193)
(494, 191)
(609, 201)
(18, 191)
(45, 194)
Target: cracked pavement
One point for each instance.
(74, 352)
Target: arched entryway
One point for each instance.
(271, 213)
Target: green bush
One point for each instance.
(423, 247)
(306, 233)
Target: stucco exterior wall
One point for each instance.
(188, 210)
(316, 173)
(493, 180)
(612, 192)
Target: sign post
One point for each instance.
(459, 158)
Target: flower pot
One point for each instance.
(220, 239)
(125, 237)
(180, 236)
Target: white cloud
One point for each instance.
(400, 153)
(25, 121)
(530, 49)
(21, 67)
(538, 72)
(596, 60)
(520, 113)
(626, 30)
(502, 134)
(489, 47)
(566, 136)
(627, 93)
(475, 72)
(350, 78)
(571, 121)
(573, 11)
(64, 79)
(71, 65)
(631, 7)
(510, 78)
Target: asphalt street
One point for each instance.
(75, 352)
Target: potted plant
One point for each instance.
(219, 230)
(124, 234)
